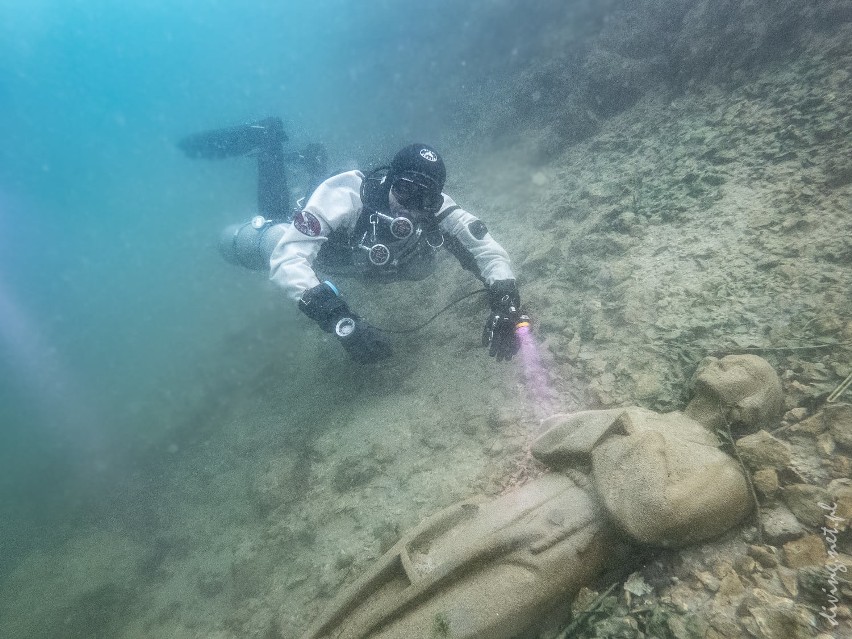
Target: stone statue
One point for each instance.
(496, 569)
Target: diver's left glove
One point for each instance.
(324, 305)
(364, 343)
(500, 334)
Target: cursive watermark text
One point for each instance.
(832, 565)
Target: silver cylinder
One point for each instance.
(250, 244)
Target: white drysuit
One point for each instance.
(336, 205)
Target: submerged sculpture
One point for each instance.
(496, 569)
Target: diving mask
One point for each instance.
(417, 192)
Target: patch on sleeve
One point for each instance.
(477, 229)
(307, 223)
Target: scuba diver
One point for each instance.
(385, 224)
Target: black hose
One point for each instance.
(429, 321)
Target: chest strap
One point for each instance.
(443, 215)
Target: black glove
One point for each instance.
(499, 334)
(323, 304)
(364, 343)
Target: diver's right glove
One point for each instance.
(364, 343)
(500, 334)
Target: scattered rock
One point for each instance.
(787, 576)
(772, 617)
(813, 425)
(762, 450)
(766, 482)
(780, 525)
(709, 581)
(745, 565)
(841, 466)
(730, 587)
(806, 551)
(825, 445)
(804, 501)
(764, 555)
(795, 414)
(839, 418)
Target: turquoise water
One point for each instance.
(112, 295)
(110, 284)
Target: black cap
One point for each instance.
(422, 159)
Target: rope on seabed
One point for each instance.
(725, 434)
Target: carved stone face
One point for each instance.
(742, 390)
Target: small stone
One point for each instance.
(745, 565)
(825, 445)
(795, 393)
(730, 586)
(804, 501)
(839, 418)
(766, 482)
(841, 466)
(762, 450)
(765, 555)
(722, 568)
(807, 551)
(795, 414)
(780, 525)
(709, 581)
(789, 579)
(572, 350)
(811, 426)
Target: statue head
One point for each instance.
(740, 390)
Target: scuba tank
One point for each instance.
(251, 244)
